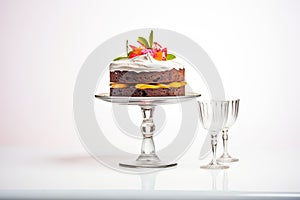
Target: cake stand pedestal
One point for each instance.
(148, 157)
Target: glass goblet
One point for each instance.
(213, 116)
(233, 109)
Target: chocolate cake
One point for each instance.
(147, 71)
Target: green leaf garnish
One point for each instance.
(120, 58)
(143, 41)
(151, 39)
(170, 56)
(127, 47)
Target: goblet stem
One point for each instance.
(214, 163)
(147, 128)
(225, 141)
(226, 158)
(214, 142)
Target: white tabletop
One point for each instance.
(38, 172)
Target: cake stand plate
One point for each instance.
(147, 100)
(148, 157)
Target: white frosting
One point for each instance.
(144, 63)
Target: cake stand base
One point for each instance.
(145, 164)
(147, 161)
(148, 157)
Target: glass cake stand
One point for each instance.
(148, 157)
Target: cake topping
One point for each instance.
(148, 57)
(144, 63)
(153, 48)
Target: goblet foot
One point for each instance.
(214, 166)
(227, 159)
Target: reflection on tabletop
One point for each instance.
(224, 183)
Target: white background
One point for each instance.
(254, 44)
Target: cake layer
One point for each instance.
(131, 77)
(148, 86)
(133, 92)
